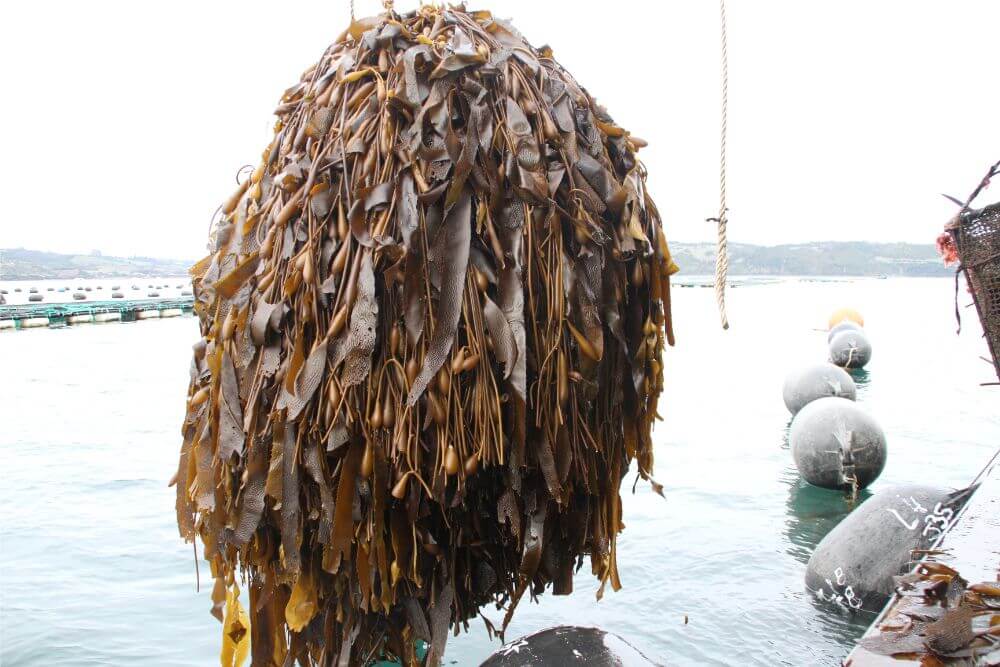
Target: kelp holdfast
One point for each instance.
(977, 239)
(432, 323)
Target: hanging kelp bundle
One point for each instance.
(432, 321)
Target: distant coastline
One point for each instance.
(857, 258)
(21, 264)
(825, 258)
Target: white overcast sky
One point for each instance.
(125, 122)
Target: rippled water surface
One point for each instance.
(92, 570)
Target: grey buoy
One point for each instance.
(117, 295)
(135, 287)
(854, 564)
(88, 289)
(35, 297)
(17, 289)
(807, 384)
(115, 287)
(850, 349)
(154, 293)
(79, 296)
(49, 289)
(33, 290)
(100, 287)
(836, 444)
(186, 292)
(3, 291)
(568, 645)
(844, 325)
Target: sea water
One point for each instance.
(92, 571)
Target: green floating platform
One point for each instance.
(58, 314)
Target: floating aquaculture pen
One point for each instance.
(80, 312)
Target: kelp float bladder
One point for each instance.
(432, 323)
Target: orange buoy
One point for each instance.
(845, 314)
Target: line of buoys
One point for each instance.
(834, 442)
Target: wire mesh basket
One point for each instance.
(978, 240)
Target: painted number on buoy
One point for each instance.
(847, 597)
(935, 523)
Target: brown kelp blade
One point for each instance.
(432, 323)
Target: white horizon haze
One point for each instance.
(126, 122)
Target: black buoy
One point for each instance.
(837, 445)
(568, 645)
(854, 564)
(117, 295)
(850, 349)
(843, 325)
(3, 291)
(79, 296)
(34, 297)
(807, 384)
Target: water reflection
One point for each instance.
(861, 377)
(812, 512)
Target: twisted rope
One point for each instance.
(721, 251)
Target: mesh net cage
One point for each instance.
(978, 241)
